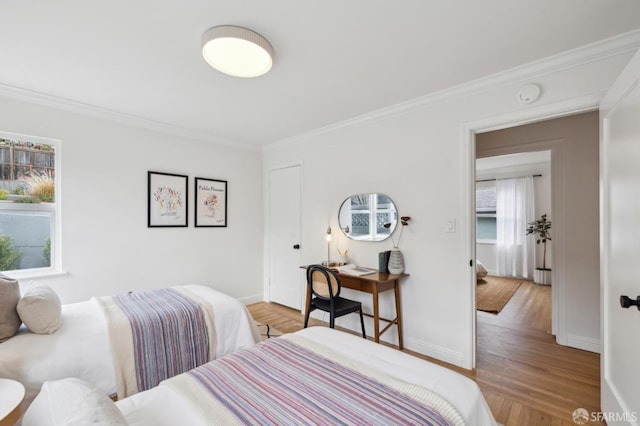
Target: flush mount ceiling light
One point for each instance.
(237, 51)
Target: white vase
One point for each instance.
(542, 276)
(396, 262)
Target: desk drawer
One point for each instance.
(351, 282)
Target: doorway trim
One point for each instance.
(468, 133)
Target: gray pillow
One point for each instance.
(40, 309)
(9, 297)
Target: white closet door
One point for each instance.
(285, 275)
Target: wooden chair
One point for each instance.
(326, 297)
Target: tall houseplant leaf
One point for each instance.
(540, 228)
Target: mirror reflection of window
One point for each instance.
(363, 216)
(385, 213)
(360, 214)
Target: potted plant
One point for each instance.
(540, 228)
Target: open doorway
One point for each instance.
(573, 143)
(512, 191)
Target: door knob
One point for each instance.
(296, 246)
(627, 302)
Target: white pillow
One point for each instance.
(72, 402)
(40, 309)
(481, 271)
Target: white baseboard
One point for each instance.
(254, 298)
(584, 343)
(351, 322)
(434, 351)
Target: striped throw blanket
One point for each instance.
(157, 334)
(279, 382)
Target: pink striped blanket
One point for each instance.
(157, 334)
(280, 382)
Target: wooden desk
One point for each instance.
(374, 284)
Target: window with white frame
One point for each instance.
(486, 214)
(29, 214)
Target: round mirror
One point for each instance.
(363, 217)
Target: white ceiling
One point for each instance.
(334, 59)
(534, 159)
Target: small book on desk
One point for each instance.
(356, 270)
(383, 261)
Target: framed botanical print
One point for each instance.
(211, 203)
(167, 200)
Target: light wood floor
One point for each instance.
(526, 378)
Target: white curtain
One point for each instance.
(514, 210)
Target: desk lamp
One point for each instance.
(328, 261)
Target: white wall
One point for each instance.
(107, 246)
(417, 154)
(487, 253)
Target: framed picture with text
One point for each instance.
(211, 203)
(167, 200)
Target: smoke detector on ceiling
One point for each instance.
(528, 93)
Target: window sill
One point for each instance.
(30, 275)
(493, 242)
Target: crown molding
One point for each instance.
(68, 105)
(620, 44)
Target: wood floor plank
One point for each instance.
(525, 376)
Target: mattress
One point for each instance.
(169, 405)
(80, 348)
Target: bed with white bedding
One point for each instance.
(184, 400)
(81, 347)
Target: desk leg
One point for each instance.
(307, 299)
(376, 315)
(396, 288)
